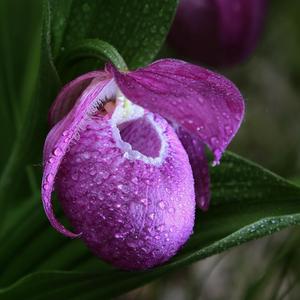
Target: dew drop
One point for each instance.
(171, 210)
(144, 201)
(131, 244)
(49, 177)
(98, 179)
(161, 205)
(105, 174)
(57, 151)
(238, 117)
(118, 235)
(160, 228)
(225, 115)
(51, 160)
(201, 100)
(74, 175)
(86, 155)
(151, 216)
(45, 186)
(92, 172)
(214, 140)
(228, 130)
(172, 229)
(134, 180)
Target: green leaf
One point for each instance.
(248, 202)
(18, 75)
(137, 28)
(90, 48)
(35, 84)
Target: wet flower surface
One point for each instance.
(126, 156)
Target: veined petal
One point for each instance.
(196, 152)
(202, 102)
(64, 133)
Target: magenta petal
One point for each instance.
(196, 152)
(204, 103)
(60, 137)
(132, 212)
(69, 94)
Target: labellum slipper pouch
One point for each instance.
(124, 179)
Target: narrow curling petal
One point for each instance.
(69, 94)
(60, 139)
(196, 152)
(200, 101)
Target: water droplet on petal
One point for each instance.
(98, 179)
(86, 155)
(161, 205)
(225, 115)
(228, 130)
(151, 216)
(45, 186)
(118, 235)
(131, 244)
(134, 180)
(171, 210)
(160, 228)
(57, 151)
(214, 140)
(51, 160)
(105, 174)
(92, 172)
(74, 175)
(144, 201)
(49, 177)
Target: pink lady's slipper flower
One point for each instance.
(126, 156)
(218, 32)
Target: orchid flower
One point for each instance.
(126, 156)
(218, 32)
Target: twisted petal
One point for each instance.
(63, 133)
(202, 102)
(69, 94)
(196, 152)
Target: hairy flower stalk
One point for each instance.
(126, 157)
